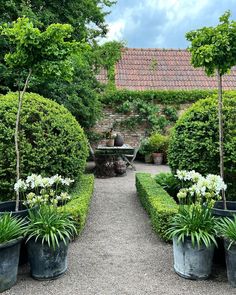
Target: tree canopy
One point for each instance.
(86, 16)
(214, 48)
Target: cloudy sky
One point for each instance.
(163, 23)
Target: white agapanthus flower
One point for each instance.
(181, 174)
(43, 190)
(20, 185)
(208, 187)
(67, 181)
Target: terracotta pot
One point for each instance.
(157, 158)
(110, 142)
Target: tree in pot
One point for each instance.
(193, 232)
(213, 48)
(49, 233)
(33, 53)
(12, 230)
(226, 228)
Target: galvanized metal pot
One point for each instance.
(9, 260)
(45, 262)
(192, 262)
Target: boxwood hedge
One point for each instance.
(194, 141)
(78, 206)
(160, 206)
(51, 141)
(157, 96)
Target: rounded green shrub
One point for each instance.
(51, 141)
(194, 143)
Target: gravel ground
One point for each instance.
(118, 253)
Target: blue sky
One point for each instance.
(162, 23)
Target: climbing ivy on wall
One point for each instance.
(109, 54)
(156, 118)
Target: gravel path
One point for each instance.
(119, 254)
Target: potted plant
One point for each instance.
(226, 228)
(12, 230)
(49, 233)
(145, 149)
(158, 144)
(193, 228)
(193, 232)
(110, 136)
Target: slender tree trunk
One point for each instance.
(221, 132)
(20, 100)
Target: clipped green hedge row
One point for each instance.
(157, 96)
(158, 203)
(78, 206)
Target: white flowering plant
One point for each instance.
(38, 190)
(199, 189)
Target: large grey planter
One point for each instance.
(9, 260)
(230, 257)
(45, 262)
(192, 262)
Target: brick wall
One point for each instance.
(131, 137)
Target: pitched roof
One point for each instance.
(169, 69)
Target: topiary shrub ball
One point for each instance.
(194, 143)
(51, 141)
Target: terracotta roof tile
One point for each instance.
(142, 69)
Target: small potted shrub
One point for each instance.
(12, 230)
(193, 232)
(159, 145)
(226, 228)
(49, 233)
(110, 136)
(145, 150)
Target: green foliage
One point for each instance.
(108, 55)
(11, 228)
(226, 228)
(76, 13)
(80, 95)
(46, 52)
(78, 206)
(158, 142)
(50, 226)
(142, 106)
(159, 205)
(153, 144)
(169, 183)
(170, 113)
(196, 223)
(175, 97)
(194, 143)
(213, 48)
(51, 141)
(140, 112)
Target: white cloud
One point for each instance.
(116, 30)
(162, 23)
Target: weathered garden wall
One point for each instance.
(133, 136)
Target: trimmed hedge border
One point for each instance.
(157, 96)
(78, 206)
(160, 206)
